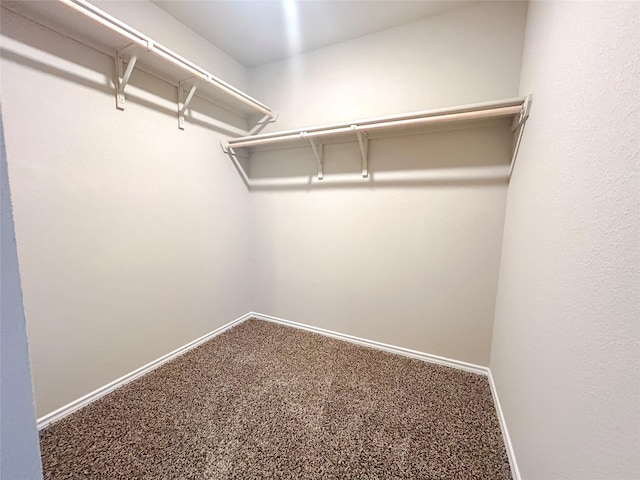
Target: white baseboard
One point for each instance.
(505, 432)
(427, 357)
(65, 410)
(71, 407)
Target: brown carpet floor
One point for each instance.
(264, 401)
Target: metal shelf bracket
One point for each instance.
(183, 103)
(263, 122)
(517, 129)
(123, 75)
(318, 152)
(363, 143)
(231, 153)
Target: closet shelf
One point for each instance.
(85, 22)
(517, 109)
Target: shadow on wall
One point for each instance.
(470, 154)
(465, 154)
(72, 61)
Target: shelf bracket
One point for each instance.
(318, 152)
(233, 156)
(183, 103)
(363, 143)
(263, 122)
(518, 129)
(122, 76)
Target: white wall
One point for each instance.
(465, 55)
(565, 354)
(413, 262)
(132, 235)
(19, 449)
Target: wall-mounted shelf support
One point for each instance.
(518, 129)
(183, 103)
(363, 143)
(318, 151)
(123, 76)
(263, 122)
(230, 151)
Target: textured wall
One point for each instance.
(132, 235)
(412, 263)
(565, 352)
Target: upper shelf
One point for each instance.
(514, 109)
(87, 23)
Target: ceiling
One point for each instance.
(255, 32)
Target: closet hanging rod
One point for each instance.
(509, 102)
(441, 116)
(99, 16)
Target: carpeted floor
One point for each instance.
(267, 401)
